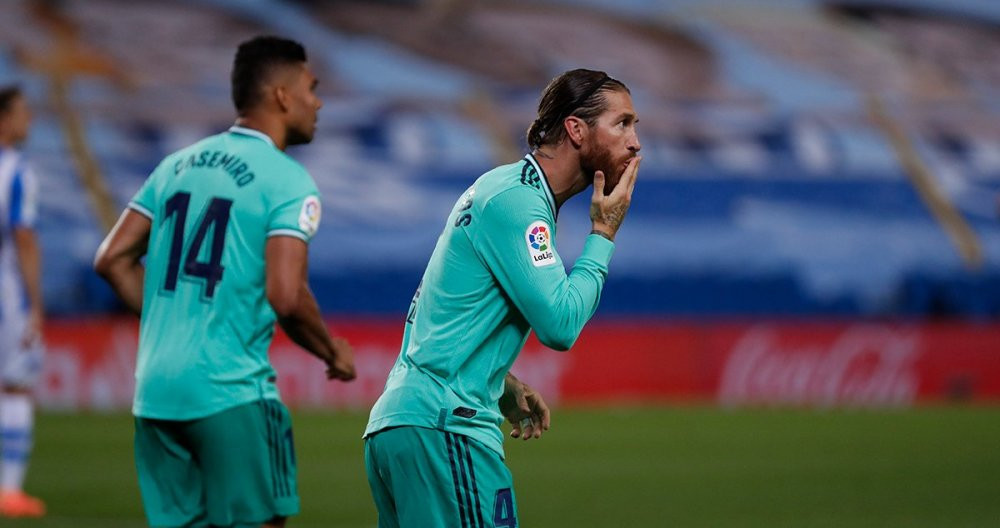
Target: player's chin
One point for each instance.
(301, 136)
(619, 170)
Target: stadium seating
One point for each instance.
(767, 186)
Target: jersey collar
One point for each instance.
(236, 129)
(548, 188)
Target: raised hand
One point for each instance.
(608, 212)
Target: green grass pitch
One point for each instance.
(623, 467)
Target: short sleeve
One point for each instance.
(296, 208)
(144, 201)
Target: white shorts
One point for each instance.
(20, 366)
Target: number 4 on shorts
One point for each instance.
(503, 510)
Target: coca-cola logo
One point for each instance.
(864, 365)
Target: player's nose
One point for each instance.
(632, 139)
(634, 145)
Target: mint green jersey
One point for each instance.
(494, 276)
(206, 323)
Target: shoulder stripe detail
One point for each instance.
(287, 232)
(141, 210)
(531, 178)
(540, 176)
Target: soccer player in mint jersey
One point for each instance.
(433, 447)
(224, 225)
(21, 310)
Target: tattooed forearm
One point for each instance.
(614, 217)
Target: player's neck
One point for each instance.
(561, 166)
(274, 130)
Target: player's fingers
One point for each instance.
(527, 428)
(523, 406)
(528, 433)
(536, 424)
(341, 373)
(541, 411)
(531, 427)
(620, 192)
(598, 185)
(634, 170)
(627, 181)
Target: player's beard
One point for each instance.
(599, 158)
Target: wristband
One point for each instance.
(602, 233)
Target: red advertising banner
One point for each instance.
(90, 364)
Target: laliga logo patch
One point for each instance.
(309, 217)
(539, 239)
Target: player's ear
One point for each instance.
(576, 130)
(281, 97)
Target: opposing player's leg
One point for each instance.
(427, 477)
(20, 368)
(248, 463)
(16, 435)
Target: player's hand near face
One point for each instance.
(341, 365)
(525, 409)
(608, 212)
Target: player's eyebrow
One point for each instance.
(627, 116)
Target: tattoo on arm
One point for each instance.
(614, 217)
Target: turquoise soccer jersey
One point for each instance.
(494, 276)
(206, 322)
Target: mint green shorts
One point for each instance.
(427, 477)
(233, 468)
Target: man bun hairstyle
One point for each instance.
(254, 62)
(579, 93)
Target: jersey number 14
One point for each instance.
(215, 214)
